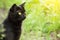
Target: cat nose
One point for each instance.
(24, 16)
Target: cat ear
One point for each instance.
(22, 5)
(13, 7)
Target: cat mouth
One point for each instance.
(22, 18)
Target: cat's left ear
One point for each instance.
(22, 6)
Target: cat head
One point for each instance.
(17, 13)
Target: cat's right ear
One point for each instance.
(14, 6)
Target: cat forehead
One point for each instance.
(19, 8)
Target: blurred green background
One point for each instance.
(42, 18)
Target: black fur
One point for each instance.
(13, 22)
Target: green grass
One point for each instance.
(42, 20)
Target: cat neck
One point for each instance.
(17, 23)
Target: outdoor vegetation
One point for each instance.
(42, 18)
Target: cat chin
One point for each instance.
(21, 19)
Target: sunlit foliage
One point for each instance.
(42, 15)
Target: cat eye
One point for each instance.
(19, 13)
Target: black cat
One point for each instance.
(13, 22)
